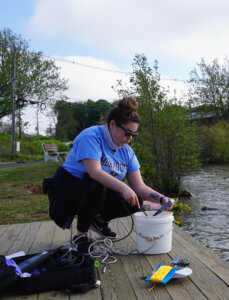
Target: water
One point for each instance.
(210, 188)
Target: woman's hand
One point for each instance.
(165, 200)
(130, 196)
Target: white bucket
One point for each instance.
(154, 233)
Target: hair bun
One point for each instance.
(125, 111)
(128, 104)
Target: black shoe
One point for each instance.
(103, 230)
(83, 243)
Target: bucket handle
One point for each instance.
(152, 237)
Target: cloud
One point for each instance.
(187, 30)
(88, 78)
(91, 78)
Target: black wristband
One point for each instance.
(161, 200)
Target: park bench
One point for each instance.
(51, 153)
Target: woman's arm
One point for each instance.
(145, 192)
(95, 171)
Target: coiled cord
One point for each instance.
(103, 249)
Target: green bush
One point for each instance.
(5, 139)
(167, 146)
(30, 148)
(220, 133)
(34, 147)
(214, 142)
(177, 209)
(168, 151)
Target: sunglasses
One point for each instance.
(128, 132)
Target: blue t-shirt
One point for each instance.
(90, 144)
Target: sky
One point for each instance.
(102, 37)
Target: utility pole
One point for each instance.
(37, 127)
(14, 97)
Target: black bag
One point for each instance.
(69, 271)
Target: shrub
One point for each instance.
(214, 142)
(168, 152)
(30, 148)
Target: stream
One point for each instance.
(208, 221)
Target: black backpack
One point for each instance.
(58, 269)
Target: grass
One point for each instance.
(17, 157)
(30, 147)
(21, 197)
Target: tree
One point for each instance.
(37, 78)
(90, 113)
(72, 118)
(167, 145)
(96, 111)
(210, 87)
(66, 126)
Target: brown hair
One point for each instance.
(125, 111)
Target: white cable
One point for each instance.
(103, 248)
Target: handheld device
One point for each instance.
(29, 264)
(167, 204)
(180, 262)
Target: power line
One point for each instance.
(88, 98)
(104, 69)
(87, 66)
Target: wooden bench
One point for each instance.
(51, 153)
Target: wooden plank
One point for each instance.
(136, 266)
(203, 278)
(25, 239)
(114, 282)
(20, 240)
(123, 279)
(3, 228)
(60, 237)
(53, 295)
(42, 242)
(44, 237)
(8, 237)
(175, 289)
(92, 294)
(207, 257)
(181, 289)
(49, 236)
(194, 247)
(209, 284)
(50, 147)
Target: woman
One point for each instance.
(89, 183)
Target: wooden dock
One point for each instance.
(123, 279)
